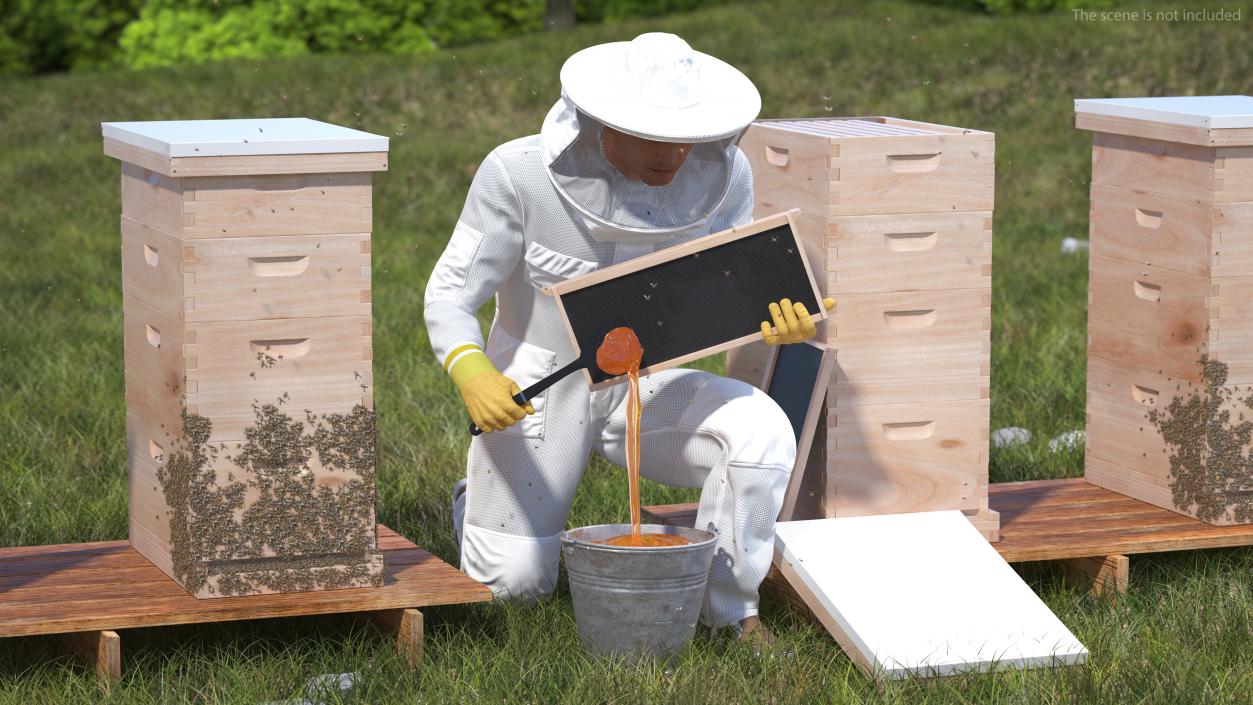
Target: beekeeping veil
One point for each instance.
(655, 87)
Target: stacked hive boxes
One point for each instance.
(1170, 302)
(898, 216)
(246, 300)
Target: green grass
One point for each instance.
(1184, 632)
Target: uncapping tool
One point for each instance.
(538, 388)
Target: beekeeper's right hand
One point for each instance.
(488, 395)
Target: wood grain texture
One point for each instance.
(910, 347)
(949, 170)
(405, 626)
(1172, 232)
(247, 206)
(100, 650)
(1148, 317)
(1102, 576)
(1166, 132)
(234, 279)
(247, 165)
(1069, 518)
(54, 600)
(1208, 174)
(893, 458)
(219, 369)
(905, 252)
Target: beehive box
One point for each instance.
(249, 383)
(1170, 302)
(897, 215)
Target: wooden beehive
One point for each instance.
(1170, 302)
(249, 388)
(897, 214)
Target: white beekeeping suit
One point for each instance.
(548, 207)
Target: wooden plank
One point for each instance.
(905, 252)
(100, 650)
(1227, 137)
(247, 165)
(1103, 576)
(227, 279)
(986, 521)
(405, 626)
(247, 206)
(318, 364)
(152, 198)
(1150, 318)
(893, 458)
(1155, 229)
(276, 204)
(910, 348)
(1173, 168)
(415, 578)
(869, 174)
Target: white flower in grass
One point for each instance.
(1070, 440)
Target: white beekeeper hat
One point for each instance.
(658, 88)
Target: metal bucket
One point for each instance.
(636, 602)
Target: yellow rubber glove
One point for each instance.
(488, 395)
(792, 322)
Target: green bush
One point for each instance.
(37, 36)
(612, 10)
(1012, 7)
(174, 31)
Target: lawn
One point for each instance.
(1183, 633)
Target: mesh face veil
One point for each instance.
(618, 208)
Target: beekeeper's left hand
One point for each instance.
(792, 322)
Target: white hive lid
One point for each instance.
(1209, 112)
(243, 137)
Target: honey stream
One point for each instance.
(621, 353)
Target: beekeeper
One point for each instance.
(638, 154)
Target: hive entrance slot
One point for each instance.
(913, 163)
(911, 242)
(910, 320)
(1147, 291)
(1144, 395)
(288, 266)
(776, 156)
(1148, 219)
(908, 430)
(286, 348)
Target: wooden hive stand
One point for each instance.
(1170, 320)
(89, 593)
(896, 216)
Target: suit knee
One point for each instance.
(514, 567)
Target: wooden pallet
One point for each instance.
(89, 591)
(1092, 529)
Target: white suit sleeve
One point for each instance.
(484, 248)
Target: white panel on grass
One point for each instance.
(923, 593)
(242, 137)
(1211, 112)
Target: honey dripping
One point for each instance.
(621, 353)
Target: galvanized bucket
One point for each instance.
(635, 602)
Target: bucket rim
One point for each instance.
(568, 538)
